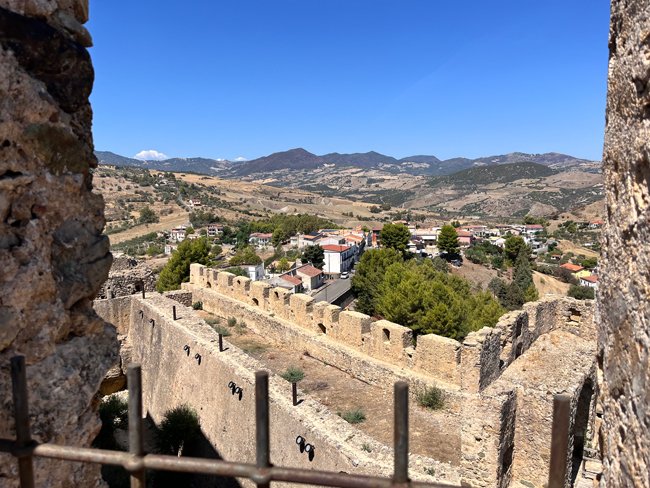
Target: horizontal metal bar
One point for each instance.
(210, 467)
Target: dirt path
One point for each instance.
(435, 434)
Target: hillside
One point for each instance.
(498, 173)
(301, 159)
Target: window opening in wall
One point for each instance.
(256, 302)
(519, 350)
(386, 336)
(518, 328)
(322, 328)
(208, 284)
(580, 426)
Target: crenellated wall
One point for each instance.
(471, 365)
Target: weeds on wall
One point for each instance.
(432, 398)
(197, 305)
(355, 416)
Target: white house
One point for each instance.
(311, 277)
(255, 271)
(177, 234)
(214, 230)
(591, 281)
(260, 239)
(338, 259)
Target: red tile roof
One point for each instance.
(574, 268)
(464, 233)
(590, 278)
(309, 270)
(335, 248)
(294, 280)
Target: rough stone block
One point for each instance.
(438, 356)
(301, 308)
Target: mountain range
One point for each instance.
(301, 159)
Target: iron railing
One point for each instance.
(136, 461)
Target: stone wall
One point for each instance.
(53, 256)
(158, 343)
(126, 277)
(472, 365)
(623, 305)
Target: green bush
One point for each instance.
(431, 397)
(221, 330)
(179, 426)
(211, 321)
(581, 292)
(293, 374)
(355, 416)
(232, 321)
(113, 413)
(197, 305)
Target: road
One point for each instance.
(333, 290)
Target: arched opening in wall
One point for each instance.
(208, 284)
(256, 302)
(580, 425)
(386, 335)
(137, 287)
(322, 328)
(277, 295)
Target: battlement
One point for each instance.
(471, 365)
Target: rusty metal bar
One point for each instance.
(209, 467)
(21, 415)
(294, 393)
(136, 431)
(557, 475)
(220, 342)
(262, 437)
(174, 312)
(401, 432)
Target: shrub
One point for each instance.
(293, 374)
(232, 321)
(211, 321)
(355, 416)
(581, 292)
(180, 425)
(197, 305)
(221, 330)
(366, 447)
(431, 397)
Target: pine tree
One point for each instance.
(448, 240)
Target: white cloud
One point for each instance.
(150, 155)
(241, 158)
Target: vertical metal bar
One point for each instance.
(294, 393)
(174, 311)
(262, 424)
(401, 432)
(21, 415)
(560, 441)
(220, 342)
(143, 294)
(136, 444)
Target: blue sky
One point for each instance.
(224, 79)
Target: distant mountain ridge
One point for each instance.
(301, 159)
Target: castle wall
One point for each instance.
(227, 421)
(474, 364)
(53, 256)
(623, 305)
(506, 432)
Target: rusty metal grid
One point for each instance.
(136, 461)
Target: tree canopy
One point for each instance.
(147, 216)
(177, 269)
(370, 274)
(395, 236)
(418, 295)
(314, 255)
(513, 246)
(448, 240)
(245, 255)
